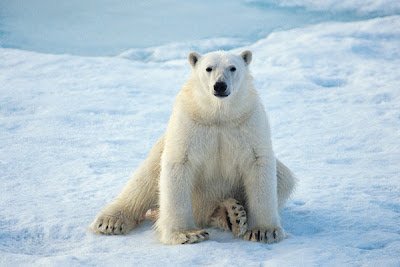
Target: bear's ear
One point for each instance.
(193, 58)
(247, 56)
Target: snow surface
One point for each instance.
(73, 129)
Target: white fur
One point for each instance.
(214, 149)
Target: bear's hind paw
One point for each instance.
(230, 215)
(236, 216)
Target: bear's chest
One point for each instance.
(222, 151)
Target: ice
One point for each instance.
(368, 7)
(74, 128)
(109, 28)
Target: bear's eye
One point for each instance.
(233, 69)
(209, 69)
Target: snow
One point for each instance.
(73, 129)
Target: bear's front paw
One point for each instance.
(187, 237)
(112, 225)
(271, 235)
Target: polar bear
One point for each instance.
(214, 166)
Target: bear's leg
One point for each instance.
(286, 183)
(175, 224)
(138, 196)
(260, 183)
(230, 215)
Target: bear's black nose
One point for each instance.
(220, 87)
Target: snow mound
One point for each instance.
(173, 51)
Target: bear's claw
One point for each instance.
(191, 236)
(111, 225)
(269, 236)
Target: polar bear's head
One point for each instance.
(220, 74)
